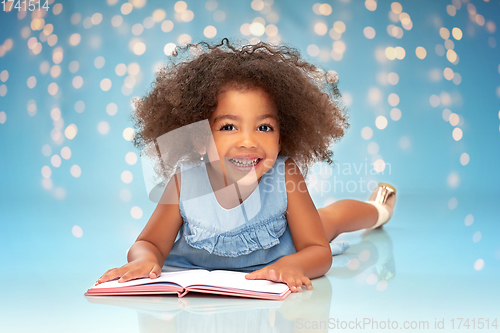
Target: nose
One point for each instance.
(246, 139)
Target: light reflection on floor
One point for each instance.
(416, 269)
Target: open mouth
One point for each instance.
(245, 162)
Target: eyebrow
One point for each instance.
(231, 117)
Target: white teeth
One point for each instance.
(244, 163)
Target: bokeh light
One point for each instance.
(79, 106)
(479, 264)
(55, 114)
(126, 8)
(393, 99)
(169, 49)
(131, 158)
(320, 28)
(452, 203)
(103, 127)
(369, 32)
(125, 195)
(477, 236)
(127, 177)
(434, 100)
(395, 114)
(55, 160)
(372, 148)
(74, 66)
(366, 133)
(53, 88)
(76, 171)
(128, 133)
(136, 212)
(46, 171)
(66, 153)
(167, 26)
(353, 264)
(379, 165)
(75, 39)
(371, 5)
(444, 33)
(393, 57)
(453, 180)
(77, 82)
(99, 62)
(381, 285)
(105, 84)
(210, 31)
(71, 131)
(77, 231)
(457, 134)
(313, 50)
(469, 219)
(393, 78)
(31, 82)
(381, 122)
(3, 117)
(111, 109)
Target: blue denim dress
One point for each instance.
(247, 237)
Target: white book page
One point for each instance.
(182, 278)
(229, 279)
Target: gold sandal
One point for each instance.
(383, 198)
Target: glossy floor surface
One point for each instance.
(73, 200)
(425, 270)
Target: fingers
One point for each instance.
(296, 282)
(256, 275)
(110, 274)
(274, 276)
(293, 281)
(155, 272)
(306, 282)
(144, 271)
(264, 274)
(130, 272)
(133, 274)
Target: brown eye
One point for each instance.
(265, 128)
(227, 127)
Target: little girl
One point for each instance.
(237, 199)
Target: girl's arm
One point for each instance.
(147, 254)
(313, 257)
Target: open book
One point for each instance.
(198, 280)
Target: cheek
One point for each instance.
(212, 154)
(276, 143)
(212, 150)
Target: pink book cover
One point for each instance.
(215, 282)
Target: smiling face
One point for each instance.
(246, 133)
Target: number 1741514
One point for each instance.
(26, 5)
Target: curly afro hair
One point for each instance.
(310, 113)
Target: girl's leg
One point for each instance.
(347, 215)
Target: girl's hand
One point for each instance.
(133, 270)
(278, 272)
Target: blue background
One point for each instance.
(436, 192)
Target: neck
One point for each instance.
(219, 181)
